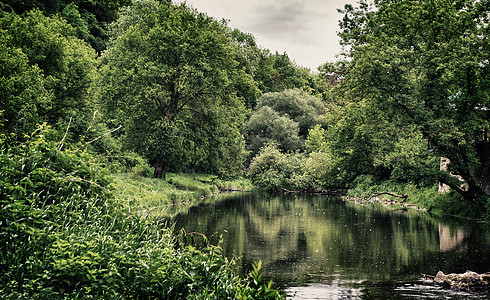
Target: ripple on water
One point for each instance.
(343, 290)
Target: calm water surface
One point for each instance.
(324, 248)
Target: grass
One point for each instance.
(65, 235)
(152, 196)
(426, 197)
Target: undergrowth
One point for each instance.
(63, 236)
(427, 197)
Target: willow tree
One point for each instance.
(168, 76)
(421, 68)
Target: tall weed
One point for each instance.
(62, 236)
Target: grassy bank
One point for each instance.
(65, 234)
(175, 193)
(426, 197)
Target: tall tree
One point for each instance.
(424, 66)
(46, 71)
(89, 17)
(169, 77)
(283, 118)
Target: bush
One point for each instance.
(321, 171)
(273, 170)
(141, 169)
(62, 237)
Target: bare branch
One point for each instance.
(109, 132)
(63, 139)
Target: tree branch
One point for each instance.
(66, 132)
(108, 132)
(404, 196)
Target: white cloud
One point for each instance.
(305, 29)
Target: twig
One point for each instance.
(404, 196)
(91, 124)
(66, 132)
(87, 181)
(111, 131)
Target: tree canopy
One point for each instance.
(283, 118)
(90, 18)
(169, 77)
(419, 75)
(46, 71)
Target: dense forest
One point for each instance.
(89, 88)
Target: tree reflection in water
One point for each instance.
(309, 244)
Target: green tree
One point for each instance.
(23, 88)
(267, 126)
(276, 72)
(283, 118)
(305, 109)
(315, 142)
(271, 72)
(46, 71)
(90, 18)
(424, 67)
(169, 77)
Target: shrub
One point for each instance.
(265, 170)
(273, 170)
(321, 171)
(62, 237)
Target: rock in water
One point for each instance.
(468, 281)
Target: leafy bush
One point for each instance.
(273, 170)
(315, 141)
(141, 168)
(321, 170)
(62, 237)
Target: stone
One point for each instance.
(468, 281)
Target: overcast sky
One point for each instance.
(305, 29)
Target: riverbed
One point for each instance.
(318, 247)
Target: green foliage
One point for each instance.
(47, 72)
(141, 169)
(169, 77)
(267, 126)
(73, 17)
(89, 18)
(276, 72)
(20, 82)
(304, 109)
(273, 170)
(260, 289)
(322, 171)
(422, 78)
(62, 237)
(283, 118)
(43, 191)
(315, 141)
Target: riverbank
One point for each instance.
(468, 281)
(423, 198)
(66, 234)
(146, 195)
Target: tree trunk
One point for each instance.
(158, 169)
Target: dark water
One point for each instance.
(324, 248)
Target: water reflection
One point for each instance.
(450, 240)
(324, 245)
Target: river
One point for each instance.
(317, 247)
